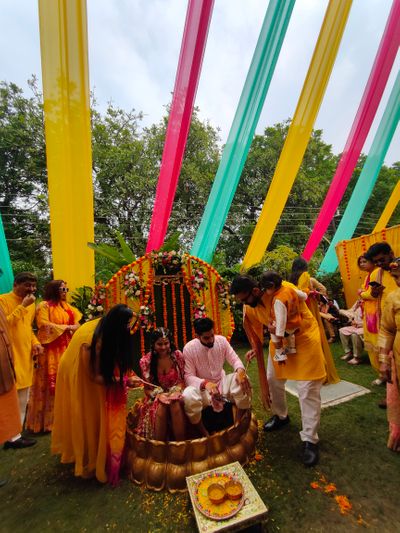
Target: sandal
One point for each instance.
(355, 361)
(331, 340)
(378, 381)
(347, 356)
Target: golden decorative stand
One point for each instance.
(165, 465)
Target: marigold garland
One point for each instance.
(174, 316)
(184, 333)
(164, 304)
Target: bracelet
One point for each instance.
(384, 358)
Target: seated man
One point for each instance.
(205, 379)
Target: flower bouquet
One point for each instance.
(198, 280)
(132, 286)
(166, 262)
(199, 311)
(95, 307)
(224, 297)
(146, 317)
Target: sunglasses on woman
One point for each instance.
(63, 289)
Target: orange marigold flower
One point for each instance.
(315, 485)
(258, 457)
(344, 504)
(331, 487)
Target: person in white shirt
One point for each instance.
(205, 378)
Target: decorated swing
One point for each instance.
(171, 289)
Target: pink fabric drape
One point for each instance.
(194, 40)
(366, 112)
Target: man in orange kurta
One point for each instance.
(306, 366)
(10, 424)
(19, 308)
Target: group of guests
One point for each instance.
(29, 362)
(79, 375)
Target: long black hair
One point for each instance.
(155, 335)
(116, 344)
(299, 266)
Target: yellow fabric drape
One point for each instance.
(389, 208)
(349, 251)
(300, 129)
(304, 284)
(64, 54)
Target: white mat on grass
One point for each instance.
(343, 391)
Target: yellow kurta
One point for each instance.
(389, 339)
(308, 363)
(304, 284)
(389, 331)
(10, 418)
(22, 338)
(80, 419)
(52, 320)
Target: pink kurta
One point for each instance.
(202, 363)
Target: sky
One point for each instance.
(134, 48)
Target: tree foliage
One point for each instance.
(126, 166)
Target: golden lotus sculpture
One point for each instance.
(164, 465)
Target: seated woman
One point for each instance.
(91, 393)
(161, 415)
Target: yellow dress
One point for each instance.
(89, 419)
(389, 339)
(52, 320)
(372, 311)
(19, 320)
(80, 421)
(308, 364)
(304, 284)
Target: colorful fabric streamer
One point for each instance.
(300, 129)
(6, 272)
(385, 57)
(390, 207)
(368, 177)
(64, 53)
(243, 126)
(194, 40)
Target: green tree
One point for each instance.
(23, 183)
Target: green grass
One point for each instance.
(44, 495)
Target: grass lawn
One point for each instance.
(44, 495)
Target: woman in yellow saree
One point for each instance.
(91, 393)
(57, 321)
(302, 279)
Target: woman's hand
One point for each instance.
(164, 398)
(251, 354)
(243, 381)
(133, 382)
